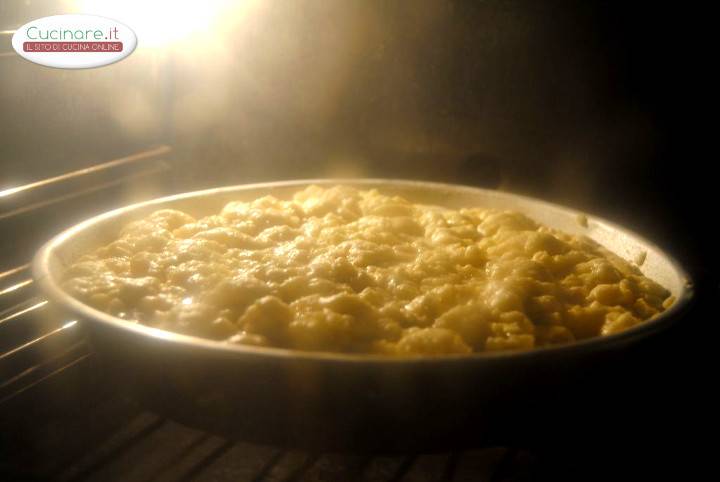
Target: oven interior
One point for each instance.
(575, 102)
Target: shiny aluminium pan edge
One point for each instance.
(355, 402)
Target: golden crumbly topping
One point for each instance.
(345, 270)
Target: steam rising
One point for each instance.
(468, 92)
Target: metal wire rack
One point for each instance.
(66, 422)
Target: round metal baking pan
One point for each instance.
(353, 402)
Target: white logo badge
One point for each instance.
(74, 41)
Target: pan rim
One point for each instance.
(43, 275)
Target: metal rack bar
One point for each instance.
(268, 466)
(81, 345)
(147, 154)
(207, 461)
(142, 427)
(22, 390)
(12, 271)
(18, 311)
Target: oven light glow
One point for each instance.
(158, 22)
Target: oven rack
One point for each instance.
(61, 420)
